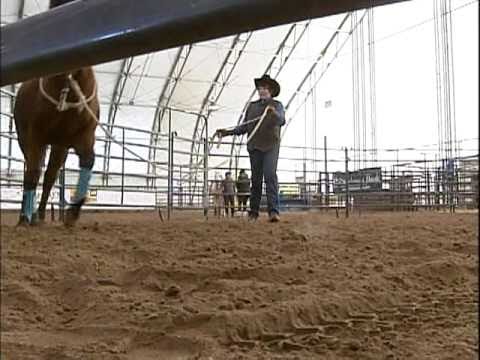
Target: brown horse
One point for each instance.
(49, 112)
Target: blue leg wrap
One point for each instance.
(28, 204)
(83, 182)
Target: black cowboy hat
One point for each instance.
(271, 83)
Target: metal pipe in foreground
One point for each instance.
(91, 32)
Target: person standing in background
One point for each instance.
(243, 190)
(216, 190)
(229, 193)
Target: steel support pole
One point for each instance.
(180, 189)
(305, 200)
(171, 171)
(9, 161)
(123, 164)
(170, 159)
(205, 171)
(428, 189)
(444, 188)
(425, 174)
(10, 133)
(327, 183)
(347, 175)
(61, 194)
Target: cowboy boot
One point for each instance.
(274, 217)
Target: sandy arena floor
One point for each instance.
(125, 286)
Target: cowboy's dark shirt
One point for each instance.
(268, 135)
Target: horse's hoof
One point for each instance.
(36, 220)
(71, 217)
(23, 221)
(73, 213)
(69, 223)
(41, 217)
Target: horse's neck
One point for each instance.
(85, 78)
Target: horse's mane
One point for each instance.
(55, 3)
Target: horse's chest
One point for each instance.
(61, 128)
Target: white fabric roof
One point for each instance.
(148, 75)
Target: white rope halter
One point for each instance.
(63, 104)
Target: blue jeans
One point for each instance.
(264, 165)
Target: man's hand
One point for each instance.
(222, 132)
(271, 108)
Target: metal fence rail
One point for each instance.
(408, 185)
(399, 179)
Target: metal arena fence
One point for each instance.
(177, 179)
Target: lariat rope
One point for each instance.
(259, 120)
(78, 91)
(83, 103)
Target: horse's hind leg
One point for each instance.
(86, 160)
(58, 155)
(33, 162)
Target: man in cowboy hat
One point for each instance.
(264, 145)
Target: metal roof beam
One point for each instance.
(164, 99)
(290, 42)
(214, 92)
(312, 68)
(117, 95)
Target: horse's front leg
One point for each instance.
(58, 155)
(33, 163)
(86, 160)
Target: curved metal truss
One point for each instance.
(322, 54)
(214, 92)
(283, 53)
(164, 99)
(118, 90)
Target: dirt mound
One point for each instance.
(125, 286)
